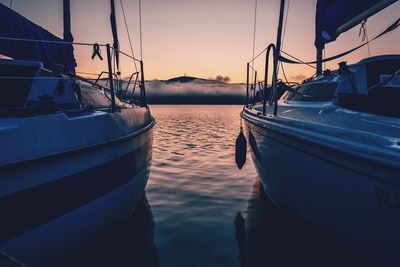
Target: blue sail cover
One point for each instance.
(54, 56)
(331, 14)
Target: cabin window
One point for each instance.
(312, 92)
(376, 68)
(94, 97)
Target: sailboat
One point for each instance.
(328, 150)
(74, 158)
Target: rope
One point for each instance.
(252, 68)
(284, 74)
(286, 19)
(127, 32)
(363, 33)
(11, 2)
(265, 49)
(392, 27)
(87, 73)
(47, 41)
(50, 78)
(299, 60)
(114, 60)
(366, 33)
(259, 54)
(283, 39)
(61, 42)
(140, 27)
(127, 55)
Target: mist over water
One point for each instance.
(197, 91)
(198, 87)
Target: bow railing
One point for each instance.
(265, 93)
(132, 89)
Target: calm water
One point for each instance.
(195, 188)
(195, 191)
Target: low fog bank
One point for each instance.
(189, 90)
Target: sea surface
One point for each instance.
(200, 210)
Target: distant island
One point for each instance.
(194, 90)
(183, 79)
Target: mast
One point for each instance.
(114, 33)
(67, 21)
(277, 55)
(67, 35)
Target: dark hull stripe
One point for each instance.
(28, 209)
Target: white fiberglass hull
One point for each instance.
(329, 189)
(54, 204)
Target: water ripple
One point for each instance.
(195, 188)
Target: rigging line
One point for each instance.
(254, 36)
(127, 31)
(286, 19)
(363, 33)
(284, 74)
(47, 41)
(284, 34)
(87, 73)
(140, 27)
(118, 72)
(127, 55)
(367, 39)
(301, 61)
(11, 2)
(259, 54)
(252, 68)
(391, 28)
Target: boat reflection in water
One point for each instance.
(267, 237)
(130, 243)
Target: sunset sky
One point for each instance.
(203, 38)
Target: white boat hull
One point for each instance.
(53, 205)
(308, 181)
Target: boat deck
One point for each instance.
(342, 122)
(361, 133)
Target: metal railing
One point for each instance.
(251, 86)
(112, 76)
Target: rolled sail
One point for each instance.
(337, 16)
(54, 56)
